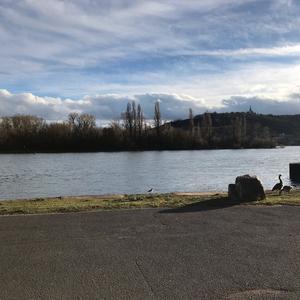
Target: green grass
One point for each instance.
(292, 198)
(173, 200)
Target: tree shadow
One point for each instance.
(205, 205)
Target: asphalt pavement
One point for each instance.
(238, 252)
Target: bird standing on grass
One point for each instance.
(278, 186)
(286, 189)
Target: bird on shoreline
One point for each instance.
(286, 189)
(278, 186)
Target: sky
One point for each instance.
(93, 56)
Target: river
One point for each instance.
(43, 175)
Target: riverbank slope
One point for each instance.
(109, 202)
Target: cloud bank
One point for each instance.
(104, 107)
(110, 107)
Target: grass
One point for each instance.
(172, 200)
(292, 198)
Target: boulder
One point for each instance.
(246, 188)
(232, 194)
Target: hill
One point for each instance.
(283, 129)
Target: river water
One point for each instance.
(41, 175)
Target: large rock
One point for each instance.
(246, 188)
(232, 193)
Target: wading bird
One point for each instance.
(278, 186)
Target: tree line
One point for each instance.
(80, 133)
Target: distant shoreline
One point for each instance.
(140, 150)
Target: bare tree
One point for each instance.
(81, 122)
(191, 121)
(134, 119)
(72, 119)
(129, 119)
(157, 118)
(86, 122)
(26, 123)
(207, 127)
(237, 130)
(244, 128)
(140, 118)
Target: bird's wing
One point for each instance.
(277, 186)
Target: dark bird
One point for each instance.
(278, 186)
(286, 189)
(150, 191)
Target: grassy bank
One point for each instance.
(193, 201)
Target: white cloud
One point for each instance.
(286, 50)
(110, 106)
(262, 105)
(104, 107)
(264, 80)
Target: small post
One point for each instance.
(295, 172)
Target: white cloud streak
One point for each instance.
(84, 33)
(288, 50)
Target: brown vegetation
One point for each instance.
(23, 133)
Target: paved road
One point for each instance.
(193, 253)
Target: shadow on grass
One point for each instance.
(204, 205)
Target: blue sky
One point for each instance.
(93, 56)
